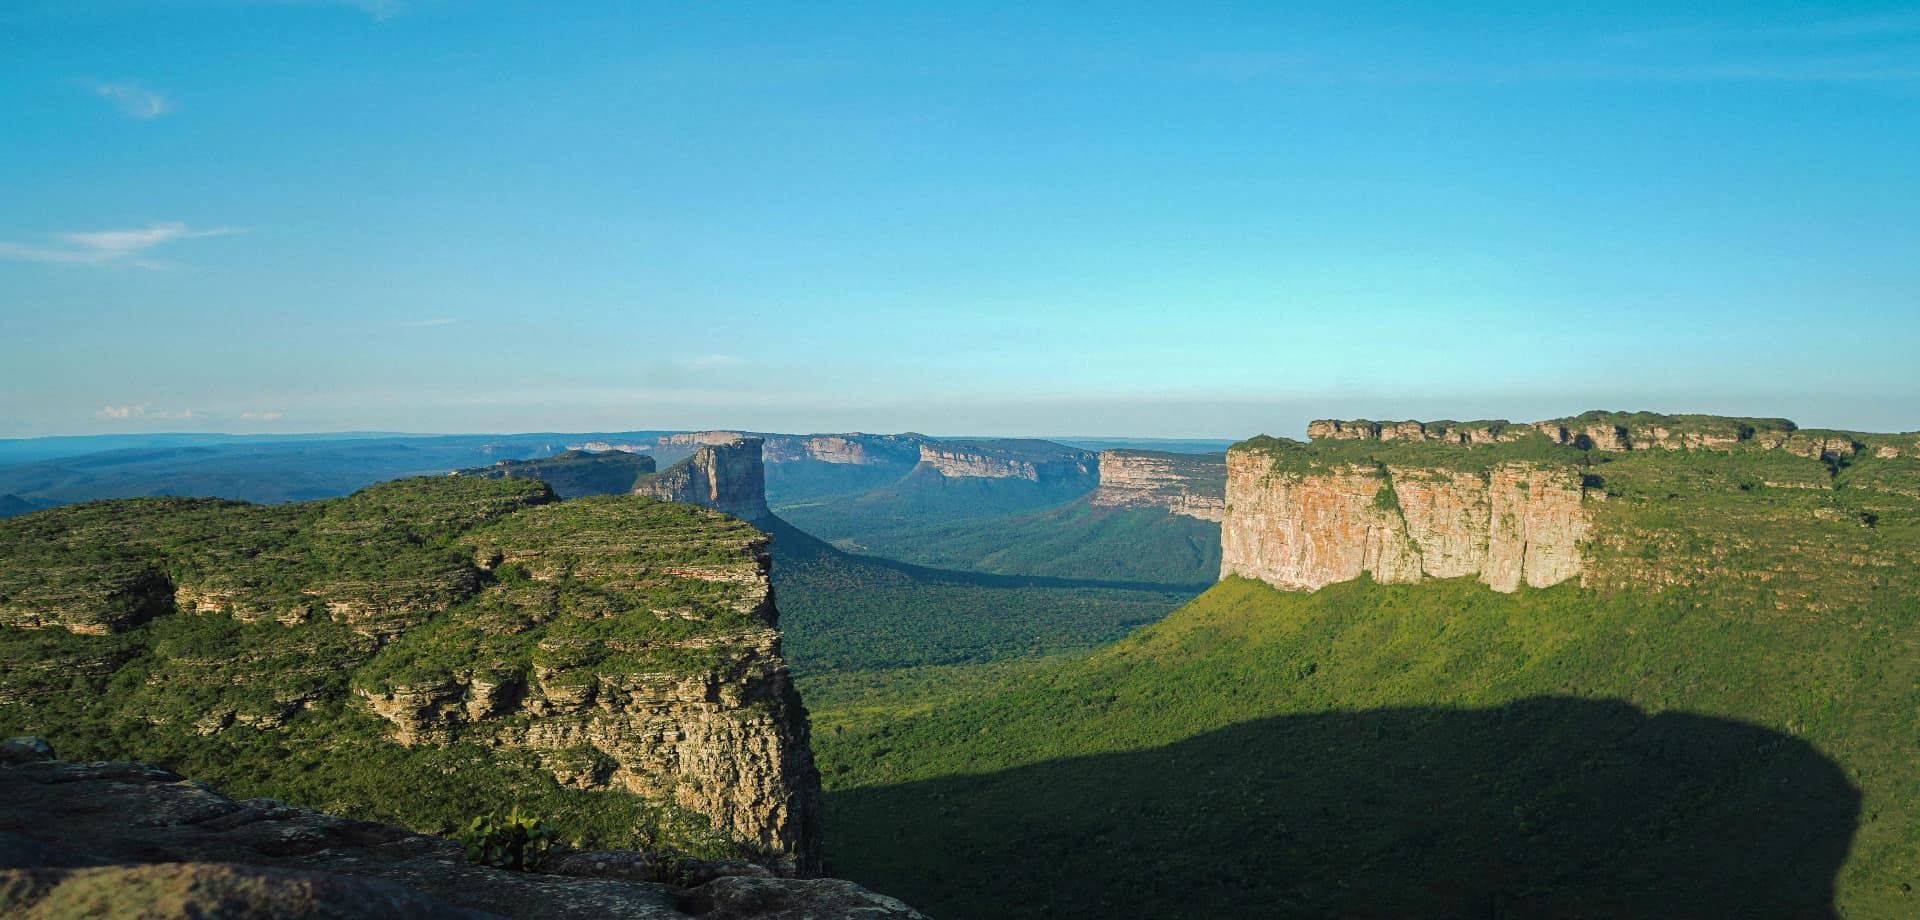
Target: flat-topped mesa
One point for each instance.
(1516, 504)
(1497, 431)
(1613, 432)
(1032, 460)
(850, 449)
(728, 477)
(1190, 484)
(700, 438)
(610, 641)
(1304, 528)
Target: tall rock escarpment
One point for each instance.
(729, 477)
(1189, 484)
(853, 449)
(1041, 462)
(1304, 527)
(1432, 500)
(1514, 504)
(613, 643)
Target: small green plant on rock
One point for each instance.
(515, 841)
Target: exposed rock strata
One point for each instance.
(125, 839)
(728, 477)
(853, 449)
(1035, 461)
(630, 643)
(1189, 484)
(1519, 523)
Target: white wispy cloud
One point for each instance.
(133, 411)
(134, 99)
(436, 321)
(709, 362)
(109, 247)
(261, 416)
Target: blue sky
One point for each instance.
(1179, 219)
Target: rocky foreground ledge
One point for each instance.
(127, 839)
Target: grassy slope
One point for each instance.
(1684, 739)
(1359, 736)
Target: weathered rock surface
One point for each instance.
(1612, 432)
(1301, 530)
(1191, 484)
(628, 643)
(853, 449)
(125, 839)
(1035, 461)
(728, 477)
(1512, 504)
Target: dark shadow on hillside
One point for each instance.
(1549, 807)
(795, 547)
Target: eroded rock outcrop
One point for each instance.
(1034, 461)
(728, 477)
(1190, 484)
(126, 839)
(628, 644)
(1304, 526)
(853, 449)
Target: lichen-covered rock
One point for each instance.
(125, 839)
(745, 898)
(1190, 484)
(191, 891)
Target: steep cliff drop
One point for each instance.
(1190, 484)
(609, 643)
(1302, 529)
(1508, 503)
(728, 477)
(1041, 462)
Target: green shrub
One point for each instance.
(515, 841)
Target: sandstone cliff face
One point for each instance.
(844, 449)
(1034, 461)
(1520, 522)
(705, 718)
(728, 477)
(1191, 485)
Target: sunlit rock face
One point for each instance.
(1301, 529)
(1034, 461)
(1192, 485)
(728, 477)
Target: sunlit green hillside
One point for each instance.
(1724, 721)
